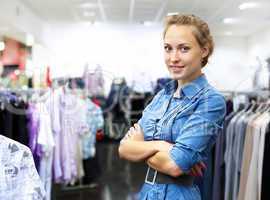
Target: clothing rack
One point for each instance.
(23, 91)
(261, 94)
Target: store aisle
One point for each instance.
(120, 180)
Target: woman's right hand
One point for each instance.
(197, 169)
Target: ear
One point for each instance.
(205, 51)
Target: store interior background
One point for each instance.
(124, 37)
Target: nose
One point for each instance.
(175, 56)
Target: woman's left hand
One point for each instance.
(135, 133)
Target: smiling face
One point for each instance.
(183, 54)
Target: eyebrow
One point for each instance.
(181, 44)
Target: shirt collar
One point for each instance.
(189, 90)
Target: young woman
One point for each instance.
(180, 125)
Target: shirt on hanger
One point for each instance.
(18, 176)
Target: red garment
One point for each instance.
(99, 135)
(96, 101)
(48, 77)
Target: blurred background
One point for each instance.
(109, 54)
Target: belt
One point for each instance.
(153, 176)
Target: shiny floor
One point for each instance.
(119, 179)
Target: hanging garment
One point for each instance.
(219, 165)
(219, 169)
(252, 187)
(247, 154)
(19, 178)
(14, 121)
(117, 107)
(265, 194)
(94, 81)
(33, 127)
(53, 107)
(95, 122)
(235, 138)
(73, 127)
(262, 161)
(46, 141)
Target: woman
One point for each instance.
(180, 125)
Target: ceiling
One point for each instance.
(139, 11)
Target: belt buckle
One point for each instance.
(154, 178)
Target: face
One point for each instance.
(183, 54)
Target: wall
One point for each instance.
(259, 45)
(19, 21)
(258, 52)
(122, 51)
(131, 51)
(229, 68)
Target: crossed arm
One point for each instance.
(154, 153)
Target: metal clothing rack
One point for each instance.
(259, 93)
(28, 91)
(23, 94)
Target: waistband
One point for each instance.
(153, 176)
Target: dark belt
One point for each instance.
(153, 176)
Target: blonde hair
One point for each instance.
(200, 30)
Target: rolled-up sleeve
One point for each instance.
(199, 132)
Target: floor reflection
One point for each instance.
(119, 180)
(122, 179)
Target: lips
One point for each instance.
(177, 68)
(174, 66)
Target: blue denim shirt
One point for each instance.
(191, 123)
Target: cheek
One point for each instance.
(166, 58)
(194, 58)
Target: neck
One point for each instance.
(182, 82)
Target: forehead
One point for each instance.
(180, 34)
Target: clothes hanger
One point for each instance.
(252, 107)
(259, 108)
(267, 109)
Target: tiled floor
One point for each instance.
(120, 180)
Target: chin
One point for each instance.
(177, 76)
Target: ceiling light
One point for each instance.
(88, 5)
(147, 23)
(248, 5)
(89, 14)
(90, 23)
(172, 13)
(230, 20)
(228, 33)
(97, 23)
(2, 46)
(30, 40)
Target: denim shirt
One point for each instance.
(191, 123)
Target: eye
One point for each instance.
(167, 48)
(184, 49)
